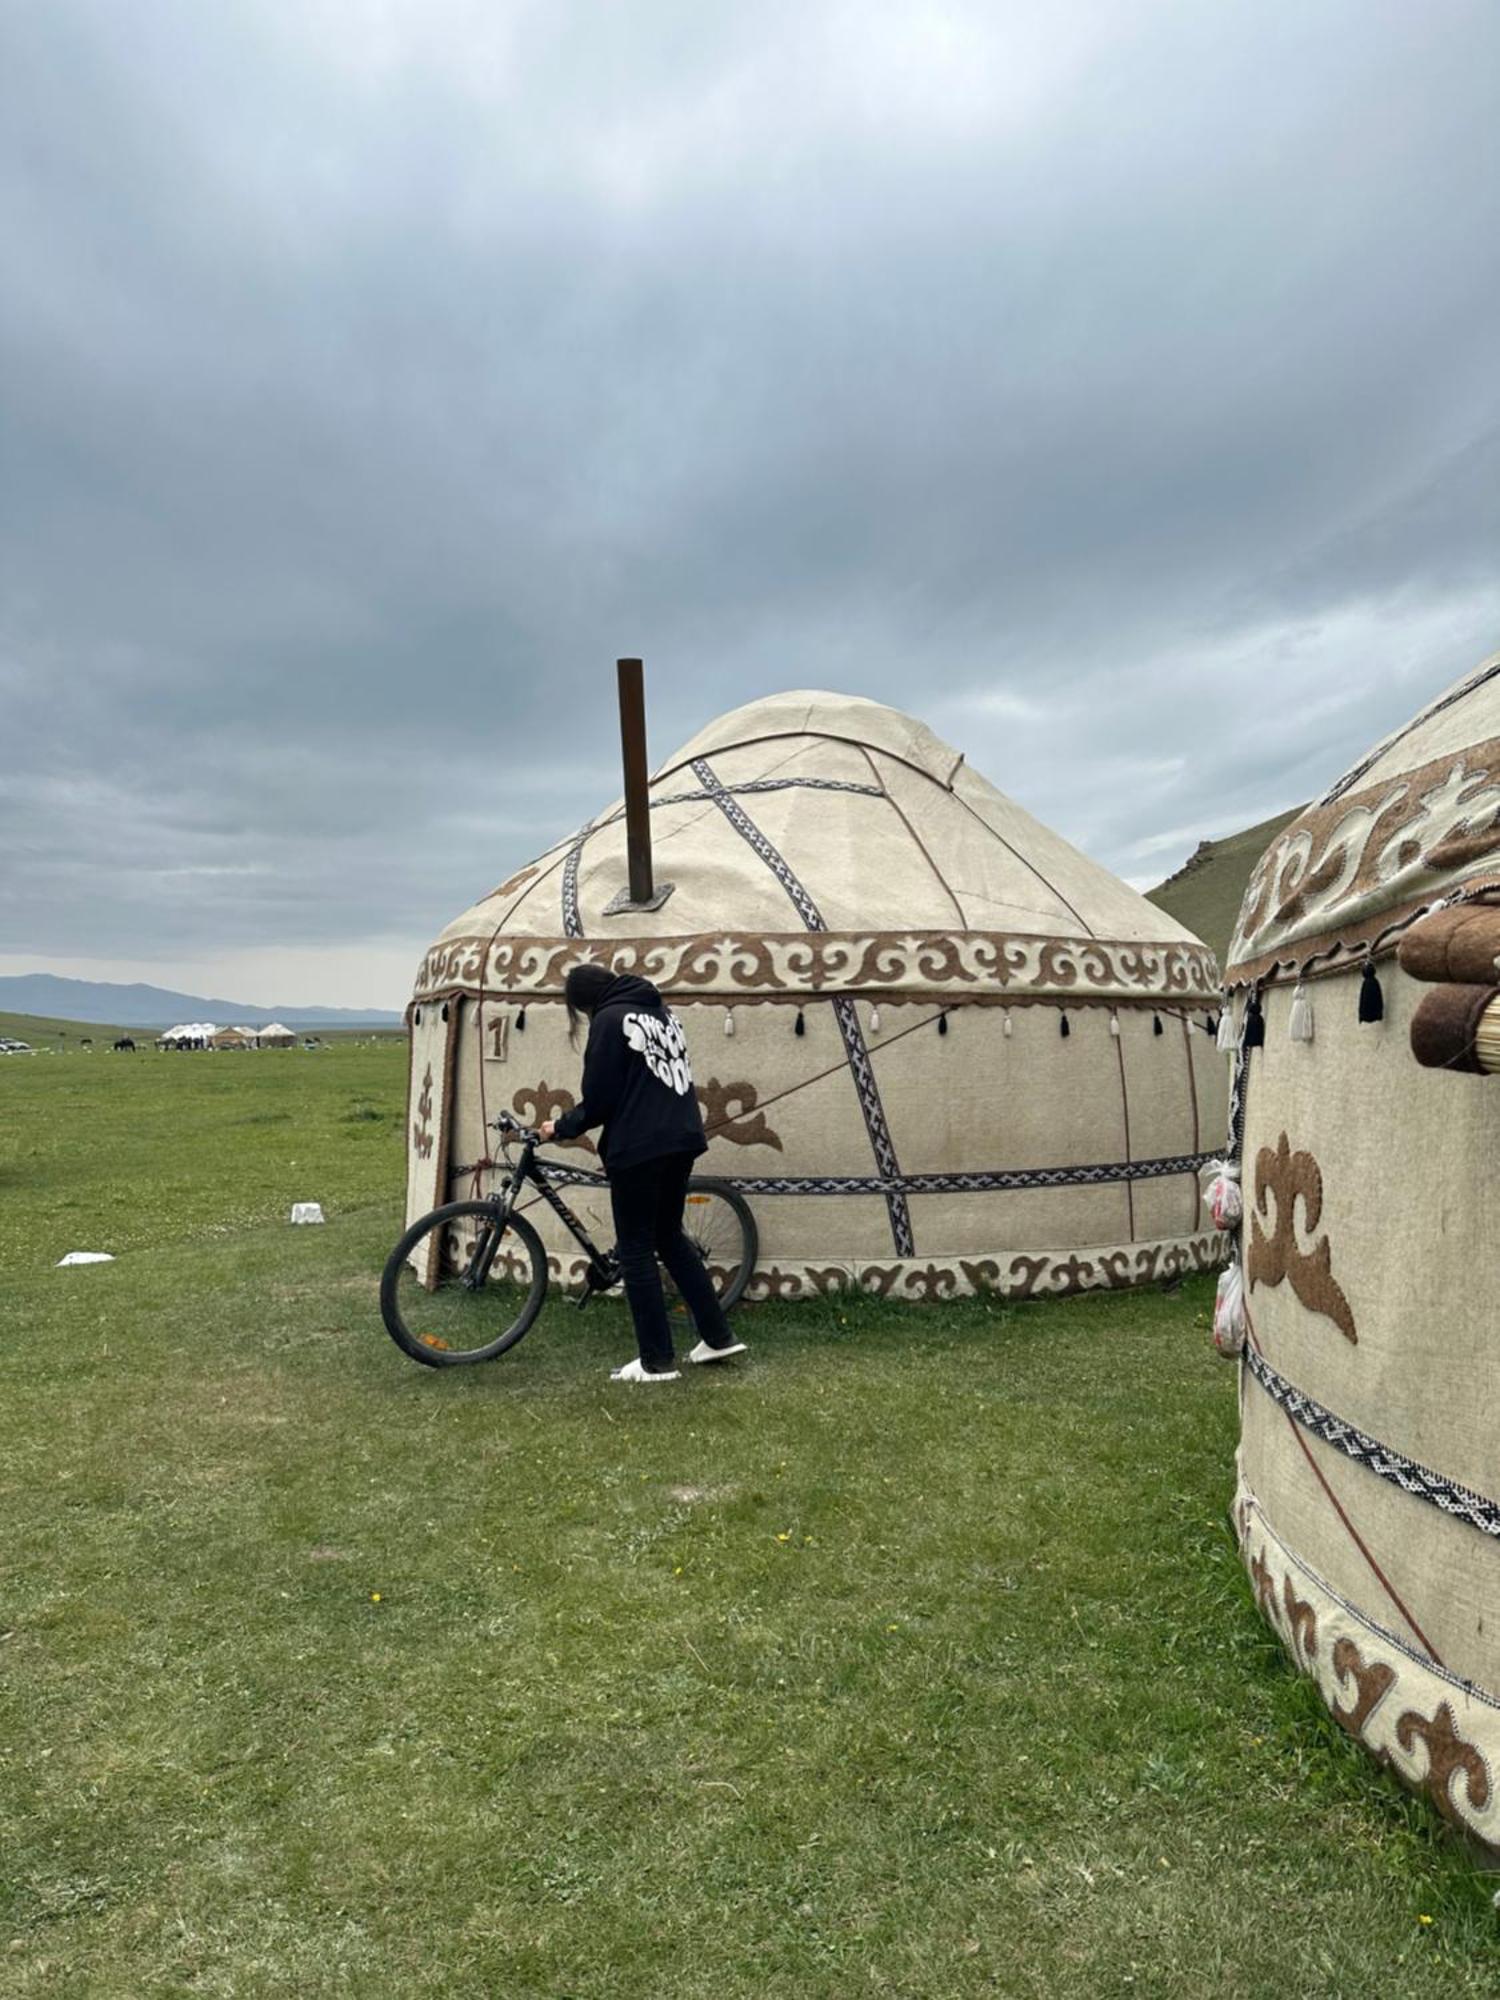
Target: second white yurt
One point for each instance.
(1366, 970)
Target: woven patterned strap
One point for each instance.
(845, 1012)
(1392, 1466)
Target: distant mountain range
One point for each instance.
(140, 1006)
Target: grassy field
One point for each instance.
(42, 1032)
(912, 1657)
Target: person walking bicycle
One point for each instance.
(638, 1093)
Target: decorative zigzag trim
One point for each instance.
(1461, 1502)
(1001, 1180)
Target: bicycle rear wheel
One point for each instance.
(718, 1223)
(489, 1279)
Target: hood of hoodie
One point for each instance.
(628, 990)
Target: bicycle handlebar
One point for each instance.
(515, 1129)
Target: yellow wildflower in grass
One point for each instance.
(1424, 1918)
(783, 1538)
(374, 1596)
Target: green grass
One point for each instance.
(1206, 892)
(913, 1657)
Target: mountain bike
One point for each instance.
(466, 1282)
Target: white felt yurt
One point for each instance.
(239, 1037)
(275, 1036)
(938, 1048)
(189, 1035)
(1365, 971)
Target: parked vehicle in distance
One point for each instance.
(10, 1047)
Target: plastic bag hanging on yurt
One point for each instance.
(1229, 1312)
(1223, 1195)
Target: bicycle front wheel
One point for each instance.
(718, 1223)
(463, 1284)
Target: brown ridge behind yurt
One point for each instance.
(937, 1048)
(1366, 970)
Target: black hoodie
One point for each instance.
(637, 1081)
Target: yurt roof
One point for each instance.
(819, 813)
(1414, 822)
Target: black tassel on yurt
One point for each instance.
(521, 1021)
(942, 1024)
(1063, 1028)
(1371, 999)
(1156, 1026)
(1211, 1026)
(801, 1028)
(1254, 1036)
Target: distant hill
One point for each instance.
(40, 1033)
(1206, 892)
(96, 1001)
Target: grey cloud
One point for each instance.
(372, 376)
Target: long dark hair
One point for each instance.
(583, 989)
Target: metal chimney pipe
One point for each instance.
(633, 751)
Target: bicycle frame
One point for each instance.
(602, 1272)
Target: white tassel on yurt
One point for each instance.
(874, 1020)
(1226, 1201)
(1114, 1023)
(1225, 1037)
(729, 1020)
(1005, 1020)
(1300, 1021)
(1229, 1312)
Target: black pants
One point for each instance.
(648, 1202)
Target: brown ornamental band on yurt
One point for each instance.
(1364, 1292)
(938, 1048)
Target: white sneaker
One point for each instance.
(636, 1371)
(703, 1352)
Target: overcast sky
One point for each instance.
(1113, 385)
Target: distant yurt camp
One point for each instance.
(1366, 973)
(938, 1049)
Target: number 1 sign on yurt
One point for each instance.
(938, 1049)
(1365, 1295)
